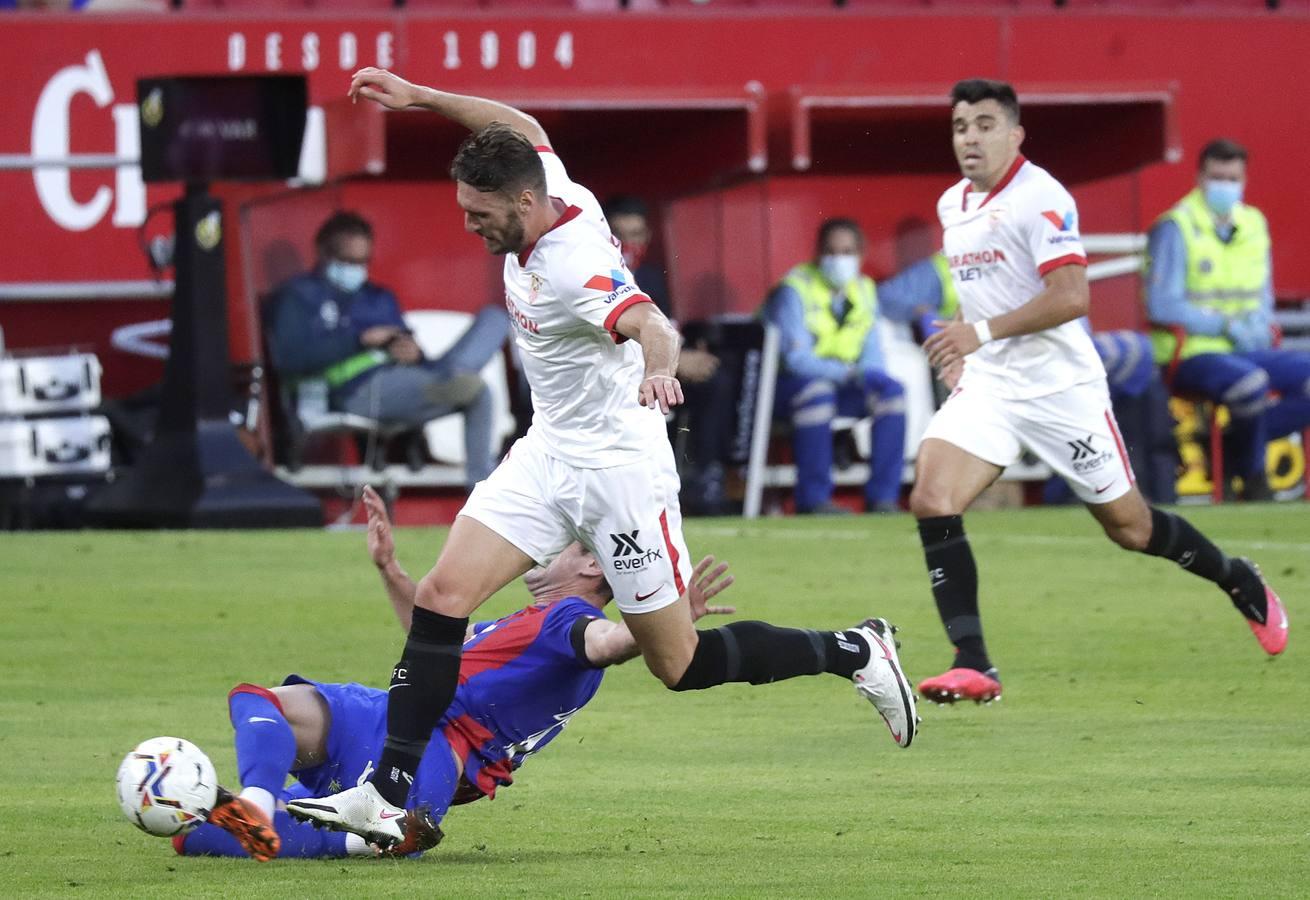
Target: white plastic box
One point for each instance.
(71, 445)
(45, 385)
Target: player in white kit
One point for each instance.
(596, 465)
(1029, 376)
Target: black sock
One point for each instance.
(759, 653)
(422, 686)
(955, 587)
(1173, 537)
(847, 652)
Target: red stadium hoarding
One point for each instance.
(76, 96)
(79, 98)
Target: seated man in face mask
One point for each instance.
(1209, 277)
(832, 364)
(334, 324)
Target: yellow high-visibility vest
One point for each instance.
(1228, 278)
(842, 340)
(950, 299)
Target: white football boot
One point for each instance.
(883, 683)
(359, 809)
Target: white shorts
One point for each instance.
(1073, 432)
(627, 516)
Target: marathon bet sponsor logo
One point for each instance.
(973, 265)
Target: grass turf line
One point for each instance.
(1145, 746)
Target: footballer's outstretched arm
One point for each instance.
(474, 113)
(660, 344)
(610, 643)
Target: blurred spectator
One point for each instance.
(832, 363)
(1209, 273)
(334, 324)
(629, 220)
(708, 391)
(923, 293)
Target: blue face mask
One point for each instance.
(840, 269)
(1222, 196)
(347, 277)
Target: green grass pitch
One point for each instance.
(1145, 746)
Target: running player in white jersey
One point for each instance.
(596, 465)
(1030, 378)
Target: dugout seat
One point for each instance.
(435, 330)
(905, 360)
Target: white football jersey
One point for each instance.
(565, 294)
(999, 245)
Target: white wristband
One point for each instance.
(984, 332)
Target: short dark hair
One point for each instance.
(499, 159)
(839, 223)
(1220, 150)
(341, 223)
(625, 205)
(976, 90)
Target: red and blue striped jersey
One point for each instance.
(520, 682)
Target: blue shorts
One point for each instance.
(355, 735)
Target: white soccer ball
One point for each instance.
(167, 786)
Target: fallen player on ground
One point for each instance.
(522, 679)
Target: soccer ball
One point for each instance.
(167, 786)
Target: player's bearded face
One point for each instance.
(493, 217)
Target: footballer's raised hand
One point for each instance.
(381, 86)
(663, 391)
(705, 584)
(381, 545)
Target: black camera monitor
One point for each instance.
(208, 128)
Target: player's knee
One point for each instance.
(814, 404)
(703, 666)
(1132, 534)
(669, 665)
(255, 690)
(929, 501)
(1248, 396)
(438, 595)
(669, 672)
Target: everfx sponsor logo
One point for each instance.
(1085, 456)
(629, 555)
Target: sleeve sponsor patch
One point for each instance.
(1061, 221)
(611, 282)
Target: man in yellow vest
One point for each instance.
(832, 364)
(1208, 270)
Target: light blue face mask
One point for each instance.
(1222, 196)
(347, 277)
(840, 269)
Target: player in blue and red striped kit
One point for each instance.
(521, 680)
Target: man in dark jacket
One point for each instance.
(334, 325)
